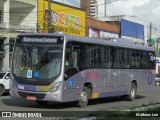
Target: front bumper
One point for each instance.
(42, 96)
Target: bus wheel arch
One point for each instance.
(89, 87)
(132, 91)
(85, 95)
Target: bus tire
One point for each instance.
(84, 97)
(132, 92)
(42, 103)
(2, 90)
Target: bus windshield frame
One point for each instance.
(37, 60)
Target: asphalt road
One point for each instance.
(107, 104)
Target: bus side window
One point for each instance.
(88, 56)
(135, 59)
(124, 61)
(144, 60)
(71, 59)
(113, 58)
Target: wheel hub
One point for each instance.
(84, 96)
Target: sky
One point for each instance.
(147, 10)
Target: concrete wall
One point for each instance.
(17, 15)
(25, 17)
(32, 2)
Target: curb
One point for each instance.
(145, 108)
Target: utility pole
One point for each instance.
(150, 36)
(49, 17)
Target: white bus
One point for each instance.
(63, 68)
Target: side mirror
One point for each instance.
(70, 72)
(7, 77)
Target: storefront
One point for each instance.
(64, 18)
(96, 28)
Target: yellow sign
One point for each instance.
(153, 35)
(63, 18)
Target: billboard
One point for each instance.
(66, 19)
(75, 3)
(131, 29)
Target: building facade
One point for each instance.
(94, 8)
(97, 28)
(16, 16)
(20, 16)
(130, 27)
(64, 18)
(91, 7)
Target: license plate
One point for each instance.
(31, 98)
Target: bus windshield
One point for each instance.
(38, 61)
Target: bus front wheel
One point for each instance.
(132, 92)
(84, 97)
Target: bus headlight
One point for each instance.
(55, 87)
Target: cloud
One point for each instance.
(147, 10)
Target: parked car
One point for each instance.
(4, 82)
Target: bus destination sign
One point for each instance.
(39, 40)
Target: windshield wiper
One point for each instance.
(43, 53)
(27, 56)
